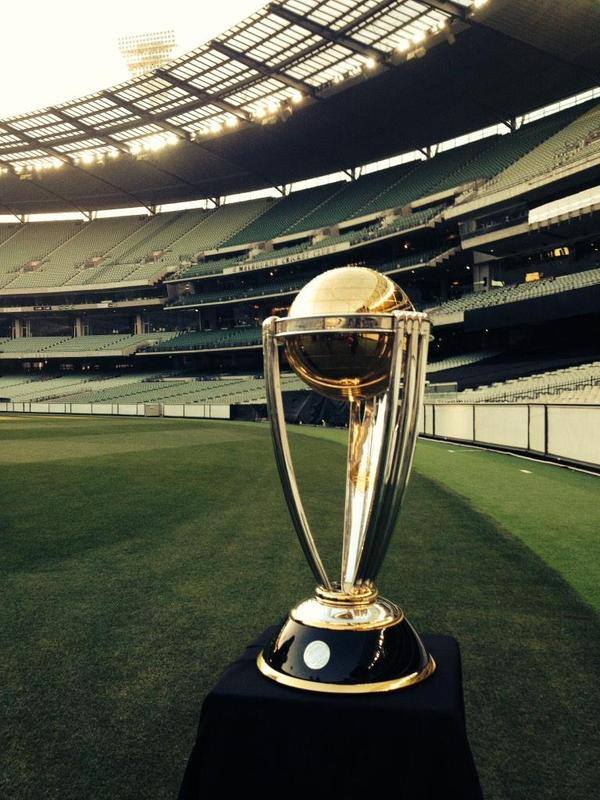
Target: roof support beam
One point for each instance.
(325, 33)
(261, 68)
(119, 146)
(153, 119)
(145, 116)
(367, 16)
(204, 97)
(91, 132)
(50, 151)
(29, 179)
(19, 217)
(453, 9)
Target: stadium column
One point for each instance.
(78, 327)
(17, 328)
(482, 271)
(139, 326)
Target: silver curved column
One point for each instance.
(283, 457)
(405, 395)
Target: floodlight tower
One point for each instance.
(144, 52)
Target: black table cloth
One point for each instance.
(260, 736)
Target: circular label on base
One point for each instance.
(317, 654)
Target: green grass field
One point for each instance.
(138, 558)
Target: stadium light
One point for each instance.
(266, 109)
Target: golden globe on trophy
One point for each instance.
(351, 334)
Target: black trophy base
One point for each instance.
(284, 743)
(347, 660)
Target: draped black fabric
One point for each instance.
(258, 736)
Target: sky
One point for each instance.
(57, 50)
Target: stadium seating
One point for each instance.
(580, 384)
(121, 243)
(210, 339)
(43, 277)
(266, 289)
(583, 395)
(81, 344)
(36, 388)
(548, 155)
(101, 342)
(34, 240)
(155, 234)
(226, 390)
(214, 228)
(47, 388)
(283, 214)
(9, 381)
(32, 344)
(7, 230)
(454, 362)
(152, 387)
(571, 383)
(584, 148)
(106, 273)
(350, 199)
(116, 273)
(94, 239)
(413, 260)
(522, 291)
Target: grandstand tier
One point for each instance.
(187, 288)
(35, 256)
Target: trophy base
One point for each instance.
(346, 656)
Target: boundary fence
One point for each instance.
(568, 433)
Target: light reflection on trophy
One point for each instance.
(351, 334)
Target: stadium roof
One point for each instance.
(300, 88)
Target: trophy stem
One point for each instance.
(364, 443)
(405, 394)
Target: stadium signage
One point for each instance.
(313, 252)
